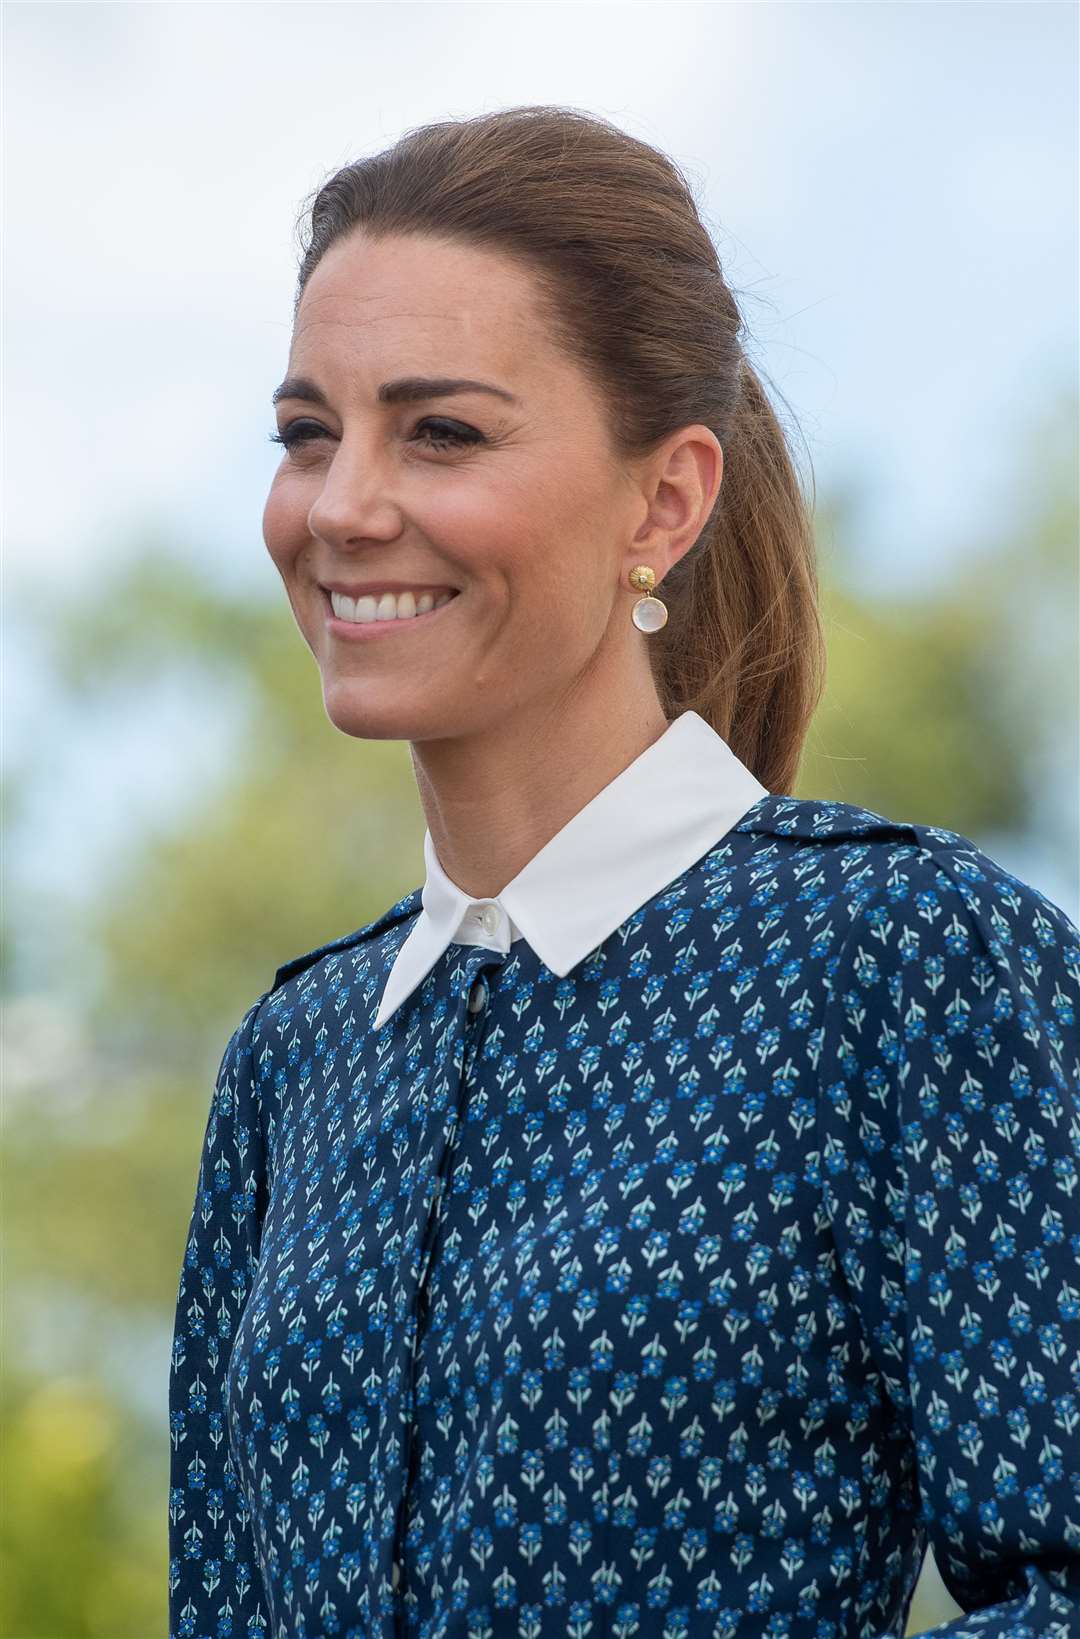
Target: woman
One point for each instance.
(664, 1221)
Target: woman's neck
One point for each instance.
(493, 800)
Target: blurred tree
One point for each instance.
(959, 705)
(306, 837)
(11, 791)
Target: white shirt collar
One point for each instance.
(647, 826)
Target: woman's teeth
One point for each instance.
(388, 606)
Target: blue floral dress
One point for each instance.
(690, 1294)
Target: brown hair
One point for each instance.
(630, 283)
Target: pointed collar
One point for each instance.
(666, 809)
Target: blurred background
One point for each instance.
(893, 193)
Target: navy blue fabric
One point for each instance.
(689, 1294)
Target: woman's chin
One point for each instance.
(355, 709)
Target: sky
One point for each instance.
(892, 190)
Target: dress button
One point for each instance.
(489, 918)
(478, 996)
(395, 1575)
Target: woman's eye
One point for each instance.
(297, 432)
(455, 432)
(444, 434)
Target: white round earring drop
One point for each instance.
(648, 613)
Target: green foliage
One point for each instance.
(77, 1556)
(959, 706)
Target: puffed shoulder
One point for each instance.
(821, 819)
(925, 851)
(1005, 908)
(958, 954)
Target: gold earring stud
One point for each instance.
(648, 613)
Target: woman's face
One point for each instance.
(512, 501)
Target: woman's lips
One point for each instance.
(352, 630)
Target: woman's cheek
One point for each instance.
(283, 527)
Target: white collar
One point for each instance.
(647, 826)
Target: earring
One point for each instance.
(648, 613)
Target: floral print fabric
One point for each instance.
(690, 1294)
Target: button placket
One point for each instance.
(477, 998)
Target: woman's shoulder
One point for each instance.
(400, 912)
(826, 820)
(878, 863)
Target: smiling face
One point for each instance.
(512, 499)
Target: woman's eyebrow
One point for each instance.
(407, 390)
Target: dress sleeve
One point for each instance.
(215, 1585)
(950, 1119)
